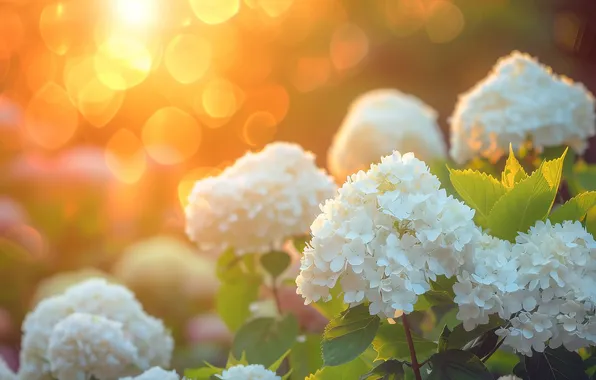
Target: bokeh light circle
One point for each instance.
(122, 63)
(125, 156)
(187, 58)
(259, 128)
(215, 11)
(171, 136)
(349, 46)
(219, 99)
(50, 118)
(445, 22)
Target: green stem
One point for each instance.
(415, 365)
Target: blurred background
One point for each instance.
(111, 109)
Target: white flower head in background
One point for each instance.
(155, 373)
(521, 99)
(83, 345)
(388, 232)
(95, 297)
(543, 286)
(379, 122)
(259, 202)
(248, 372)
(509, 377)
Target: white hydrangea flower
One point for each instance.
(384, 236)
(155, 373)
(259, 202)
(521, 99)
(154, 345)
(379, 122)
(509, 377)
(248, 372)
(5, 372)
(84, 345)
(544, 286)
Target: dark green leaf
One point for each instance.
(585, 175)
(265, 340)
(444, 340)
(390, 343)
(305, 358)
(275, 262)
(457, 365)
(333, 307)
(444, 284)
(234, 298)
(459, 337)
(484, 344)
(348, 335)
(388, 370)
(520, 370)
(555, 364)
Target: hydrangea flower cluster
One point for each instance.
(379, 122)
(60, 335)
(259, 202)
(155, 373)
(248, 372)
(388, 232)
(521, 99)
(544, 286)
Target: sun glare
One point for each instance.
(136, 13)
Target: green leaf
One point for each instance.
(557, 364)
(478, 190)
(550, 153)
(388, 370)
(390, 343)
(529, 201)
(265, 340)
(460, 338)
(574, 209)
(275, 366)
(234, 299)
(585, 176)
(305, 358)
(348, 335)
(300, 242)
(203, 373)
(440, 168)
(348, 371)
(444, 284)
(444, 339)
(275, 262)
(457, 365)
(229, 266)
(333, 307)
(513, 172)
(232, 361)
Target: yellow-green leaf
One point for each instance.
(334, 307)
(391, 343)
(529, 201)
(574, 209)
(513, 172)
(480, 191)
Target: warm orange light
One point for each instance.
(11, 33)
(311, 73)
(187, 57)
(58, 26)
(171, 136)
(219, 99)
(125, 156)
(259, 129)
(122, 63)
(405, 17)
(275, 8)
(40, 66)
(215, 11)
(349, 46)
(50, 118)
(273, 98)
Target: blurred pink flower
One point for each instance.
(208, 328)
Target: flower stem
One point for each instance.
(415, 365)
(276, 296)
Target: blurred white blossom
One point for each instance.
(519, 100)
(509, 377)
(84, 345)
(379, 122)
(388, 232)
(543, 286)
(155, 373)
(97, 297)
(259, 202)
(248, 372)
